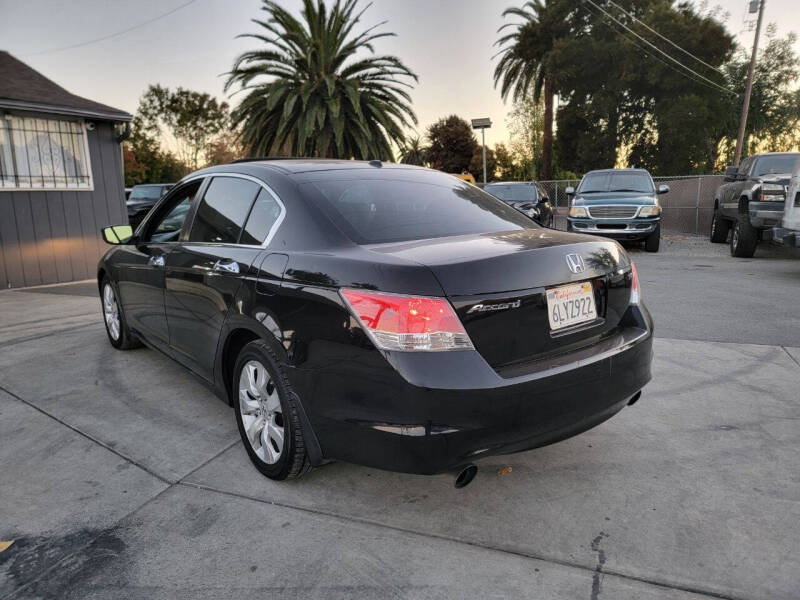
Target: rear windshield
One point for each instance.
(780, 164)
(512, 193)
(622, 181)
(146, 192)
(374, 211)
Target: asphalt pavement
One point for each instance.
(121, 476)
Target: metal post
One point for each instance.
(748, 89)
(483, 136)
(697, 207)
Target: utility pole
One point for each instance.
(749, 88)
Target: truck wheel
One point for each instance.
(744, 239)
(719, 228)
(653, 241)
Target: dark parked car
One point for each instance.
(751, 200)
(379, 314)
(142, 198)
(618, 203)
(528, 197)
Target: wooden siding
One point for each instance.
(49, 236)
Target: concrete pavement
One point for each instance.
(122, 476)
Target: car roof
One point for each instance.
(775, 154)
(510, 183)
(618, 171)
(304, 165)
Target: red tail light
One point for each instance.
(635, 292)
(408, 323)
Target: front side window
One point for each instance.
(223, 210)
(372, 211)
(616, 181)
(43, 153)
(167, 224)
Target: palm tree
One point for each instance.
(525, 56)
(308, 93)
(413, 152)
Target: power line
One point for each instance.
(669, 41)
(650, 54)
(657, 49)
(111, 35)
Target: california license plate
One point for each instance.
(570, 305)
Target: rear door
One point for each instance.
(205, 271)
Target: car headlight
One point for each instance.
(772, 192)
(578, 211)
(650, 211)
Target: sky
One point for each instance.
(448, 43)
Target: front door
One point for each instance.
(142, 281)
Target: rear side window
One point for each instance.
(263, 216)
(512, 192)
(372, 211)
(223, 210)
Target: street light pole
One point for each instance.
(483, 125)
(748, 89)
(483, 138)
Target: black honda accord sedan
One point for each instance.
(385, 315)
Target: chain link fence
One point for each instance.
(687, 207)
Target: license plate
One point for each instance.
(570, 305)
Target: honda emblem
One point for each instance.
(575, 263)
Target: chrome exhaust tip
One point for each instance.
(465, 476)
(634, 398)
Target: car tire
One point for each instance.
(744, 239)
(719, 229)
(569, 227)
(653, 241)
(267, 415)
(114, 319)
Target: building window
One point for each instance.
(44, 154)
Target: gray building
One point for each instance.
(61, 178)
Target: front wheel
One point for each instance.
(266, 414)
(719, 229)
(744, 239)
(653, 241)
(117, 329)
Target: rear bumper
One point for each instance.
(618, 229)
(432, 412)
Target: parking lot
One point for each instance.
(124, 477)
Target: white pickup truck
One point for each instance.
(789, 231)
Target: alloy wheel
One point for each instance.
(111, 312)
(262, 414)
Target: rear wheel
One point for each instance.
(117, 329)
(744, 238)
(719, 228)
(266, 414)
(653, 241)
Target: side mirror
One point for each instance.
(569, 191)
(117, 234)
(730, 173)
(663, 189)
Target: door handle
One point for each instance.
(226, 265)
(155, 261)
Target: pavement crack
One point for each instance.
(493, 548)
(597, 578)
(789, 354)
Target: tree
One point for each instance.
(525, 60)
(145, 162)
(452, 144)
(476, 164)
(414, 152)
(193, 119)
(504, 168)
(318, 88)
(526, 128)
(225, 148)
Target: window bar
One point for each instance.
(39, 150)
